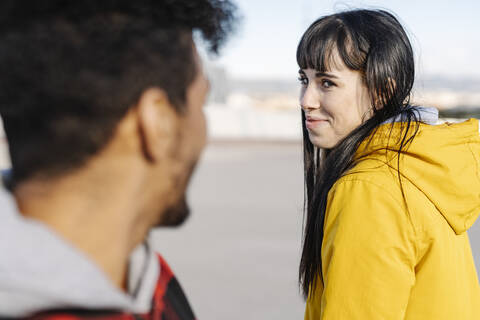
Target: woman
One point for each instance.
(389, 194)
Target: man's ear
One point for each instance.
(157, 121)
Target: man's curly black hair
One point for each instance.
(70, 70)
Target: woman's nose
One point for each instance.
(309, 98)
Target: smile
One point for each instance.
(311, 123)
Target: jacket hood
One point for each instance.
(442, 161)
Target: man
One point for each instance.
(102, 108)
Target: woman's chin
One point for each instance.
(321, 141)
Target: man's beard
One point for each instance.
(176, 214)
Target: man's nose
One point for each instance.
(310, 98)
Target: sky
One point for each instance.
(444, 34)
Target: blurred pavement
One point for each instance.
(237, 256)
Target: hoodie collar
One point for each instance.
(428, 115)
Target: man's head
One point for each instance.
(82, 77)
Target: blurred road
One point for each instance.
(237, 257)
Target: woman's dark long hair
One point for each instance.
(374, 43)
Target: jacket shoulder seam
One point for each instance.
(344, 180)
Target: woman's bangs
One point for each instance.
(317, 46)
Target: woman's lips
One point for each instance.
(313, 123)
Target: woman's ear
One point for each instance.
(157, 122)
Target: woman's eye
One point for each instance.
(303, 81)
(327, 83)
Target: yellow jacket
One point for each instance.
(382, 261)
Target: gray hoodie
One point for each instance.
(39, 271)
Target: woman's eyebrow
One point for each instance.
(325, 74)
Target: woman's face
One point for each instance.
(334, 102)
